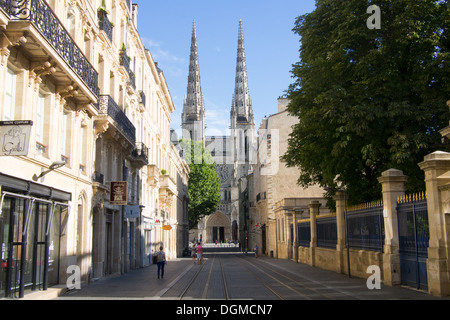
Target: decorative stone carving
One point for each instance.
(40, 70)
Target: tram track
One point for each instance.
(188, 290)
(209, 281)
(265, 282)
(204, 296)
(191, 282)
(226, 291)
(261, 280)
(317, 293)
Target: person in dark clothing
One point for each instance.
(161, 261)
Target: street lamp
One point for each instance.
(55, 165)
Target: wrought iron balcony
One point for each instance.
(125, 62)
(105, 24)
(41, 16)
(140, 153)
(108, 106)
(98, 177)
(260, 196)
(143, 97)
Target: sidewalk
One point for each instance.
(137, 284)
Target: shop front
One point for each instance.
(33, 219)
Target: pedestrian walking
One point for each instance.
(161, 262)
(199, 253)
(255, 250)
(193, 253)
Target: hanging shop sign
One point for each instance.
(118, 194)
(167, 227)
(14, 138)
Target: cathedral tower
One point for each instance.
(241, 109)
(193, 117)
(242, 122)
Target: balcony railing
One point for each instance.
(141, 153)
(260, 196)
(143, 97)
(125, 62)
(108, 106)
(105, 24)
(47, 23)
(98, 177)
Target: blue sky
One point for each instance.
(271, 49)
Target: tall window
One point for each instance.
(65, 137)
(83, 148)
(10, 95)
(41, 121)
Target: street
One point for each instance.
(238, 277)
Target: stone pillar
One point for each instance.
(341, 252)
(437, 179)
(287, 235)
(295, 242)
(393, 187)
(313, 211)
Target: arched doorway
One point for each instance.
(218, 227)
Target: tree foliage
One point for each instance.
(369, 100)
(204, 183)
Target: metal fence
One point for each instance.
(366, 227)
(414, 236)
(327, 232)
(304, 234)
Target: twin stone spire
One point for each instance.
(193, 117)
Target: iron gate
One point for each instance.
(414, 238)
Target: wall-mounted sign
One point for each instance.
(15, 137)
(118, 194)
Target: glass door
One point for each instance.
(54, 249)
(12, 222)
(36, 246)
(4, 241)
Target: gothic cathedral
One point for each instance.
(232, 153)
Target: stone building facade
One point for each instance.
(100, 111)
(274, 195)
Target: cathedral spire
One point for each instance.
(193, 118)
(241, 110)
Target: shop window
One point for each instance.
(31, 232)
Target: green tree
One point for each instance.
(369, 100)
(204, 183)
